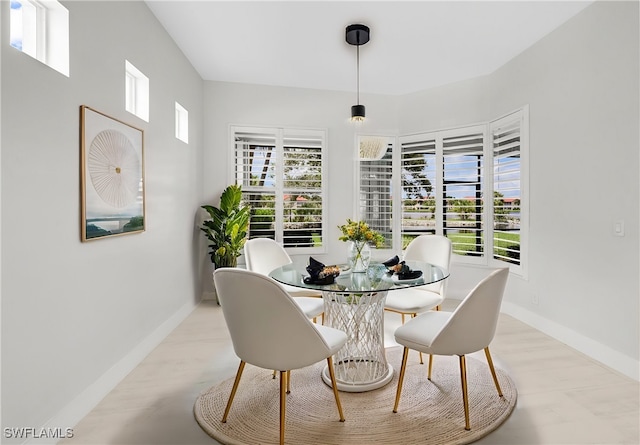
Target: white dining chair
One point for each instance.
(263, 255)
(470, 328)
(433, 249)
(270, 331)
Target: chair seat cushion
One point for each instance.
(311, 306)
(412, 300)
(300, 292)
(335, 338)
(419, 332)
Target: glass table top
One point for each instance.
(376, 278)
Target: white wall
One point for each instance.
(76, 316)
(581, 83)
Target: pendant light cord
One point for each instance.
(358, 73)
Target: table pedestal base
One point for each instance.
(356, 386)
(361, 364)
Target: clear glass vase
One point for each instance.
(359, 256)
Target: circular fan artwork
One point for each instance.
(114, 168)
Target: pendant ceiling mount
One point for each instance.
(357, 35)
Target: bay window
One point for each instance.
(468, 184)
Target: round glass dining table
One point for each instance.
(354, 303)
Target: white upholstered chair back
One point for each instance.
(268, 329)
(472, 325)
(434, 249)
(262, 255)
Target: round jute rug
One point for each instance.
(430, 412)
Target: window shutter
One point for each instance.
(507, 188)
(418, 176)
(255, 155)
(462, 186)
(375, 194)
(302, 189)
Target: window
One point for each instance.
(462, 190)
(509, 137)
(281, 172)
(442, 182)
(418, 193)
(182, 123)
(40, 28)
(136, 91)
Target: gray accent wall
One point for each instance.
(76, 317)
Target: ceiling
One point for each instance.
(415, 45)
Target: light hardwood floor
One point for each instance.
(564, 397)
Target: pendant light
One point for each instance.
(357, 35)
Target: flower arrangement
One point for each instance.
(359, 231)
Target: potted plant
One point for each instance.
(227, 229)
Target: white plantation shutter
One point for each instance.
(506, 136)
(375, 200)
(281, 174)
(302, 188)
(462, 190)
(256, 157)
(418, 179)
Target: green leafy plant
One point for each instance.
(228, 227)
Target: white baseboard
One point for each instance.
(90, 397)
(209, 296)
(597, 351)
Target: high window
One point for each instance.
(468, 184)
(136, 91)
(40, 28)
(281, 172)
(182, 123)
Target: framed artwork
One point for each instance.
(112, 176)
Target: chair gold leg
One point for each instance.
(274, 374)
(289, 382)
(419, 352)
(405, 354)
(493, 370)
(283, 403)
(465, 396)
(233, 391)
(315, 319)
(430, 366)
(332, 374)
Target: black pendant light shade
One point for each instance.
(357, 35)
(357, 113)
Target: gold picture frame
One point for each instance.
(112, 176)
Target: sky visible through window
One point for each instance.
(16, 24)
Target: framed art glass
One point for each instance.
(112, 176)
